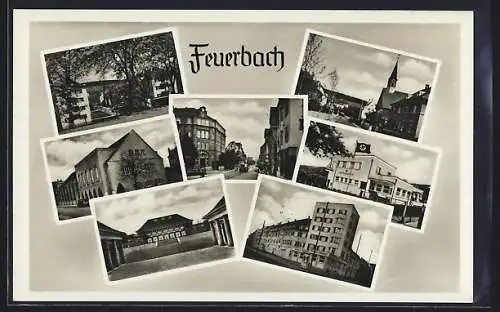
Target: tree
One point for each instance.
(126, 60)
(189, 151)
(163, 57)
(229, 158)
(64, 70)
(312, 62)
(136, 168)
(324, 141)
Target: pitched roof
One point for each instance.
(174, 218)
(220, 207)
(104, 228)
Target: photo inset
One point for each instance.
(366, 86)
(164, 228)
(316, 232)
(239, 136)
(111, 160)
(113, 81)
(375, 167)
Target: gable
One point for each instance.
(132, 141)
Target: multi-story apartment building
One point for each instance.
(289, 134)
(369, 176)
(331, 235)
(128, 164)
(323, 242)
(286, 240)
(208, 135)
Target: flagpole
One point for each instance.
(354, 157)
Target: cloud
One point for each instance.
(409, 84)
(271, 185)
(396, 151)
(309, 159)
(379, 57)
(418, 69)
(63, 154)
(361, 77)
(417, 170)
(371, 220)
(368, 246)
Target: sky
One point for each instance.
(63, 154)
(243, 119)
(363, 71)
(130, 212)
(414, 164)
(282, 202)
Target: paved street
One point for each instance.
(171, 262)
(66, 213)
(251, 175)
(157, 111)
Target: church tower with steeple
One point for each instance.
(393, 78)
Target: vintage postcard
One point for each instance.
(317, 233)
(112, 81)
(371, 166)
(110, 160)
(164, 229)
(239, 136)
(366, 86)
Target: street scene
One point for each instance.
(114, 82)
(115, 160)
(352, 162)
(317, 232)
(163, 229)
(366, 87)
(224, 135)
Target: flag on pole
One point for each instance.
(362, 148)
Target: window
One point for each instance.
(337, 230)
(379, 170)
(317, 219)
(320, 210)
(286, 134)
(386, 189)
(378, 187)
(332, 211)
(357, 165)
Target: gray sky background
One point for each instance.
(363, 71)
(129, 213)
(64, 154)
(282, 202)
(243, 119)
(414, 164)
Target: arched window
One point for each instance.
(96, 174)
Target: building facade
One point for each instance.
(66, 192)
(286, 240)
(322, 242)
(289, 134)
(330, 238)
(112, 247)
(75, 113)
(207, 134)
(128, 164)
(162, 229)
(219, 224)
(367, 175)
